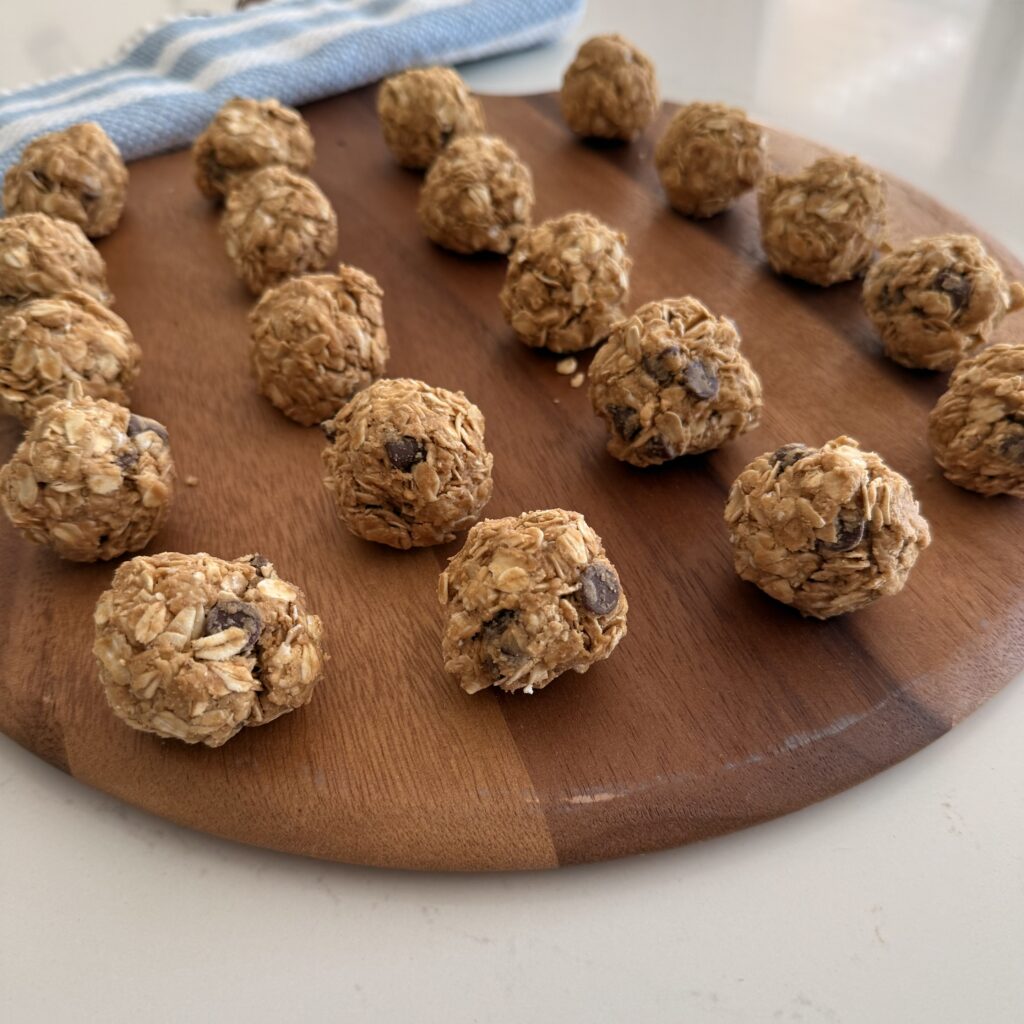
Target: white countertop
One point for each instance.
(901, 900)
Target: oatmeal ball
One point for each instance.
(316, 340)
(477, 196)
(246, 135)
(827, 530)
(609, 91)
(937, 300)
(566, 283)
(277, 224)
(41, 255)
(709, 155)
(976, 429)
(76, 174)
(406, 463)
(823, 223)
(671, 381)
(421, 110)
(528, 598)
(50, 345)
(91, 480)
(193, 647)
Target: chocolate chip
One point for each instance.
(599, 588)
(404, 452)
(502, 652)
(493, 628)
(788, 454)
(658, 449)
(890, 298)
(140, 425)
(225, 614)
(658, 366)
(850, 531)
(700, 379)
(330, 432)
(127, 459)
(1012, 445)
(956, 286)
(625, 421)
(257, 561)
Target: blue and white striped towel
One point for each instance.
(164, 89)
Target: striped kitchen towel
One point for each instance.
(162, 91)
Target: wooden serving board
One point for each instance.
(720, 709)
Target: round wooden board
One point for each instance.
(720, 709)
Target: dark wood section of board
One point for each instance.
(720, 709)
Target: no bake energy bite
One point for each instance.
(610, 90)
(937, 300)
(91, 480)
(671, 381)
(194, 647)
(316, 340)
(527, 598)
(406, 463)
(826, 530)
(422, 110)
(76, 174)
(246, 135)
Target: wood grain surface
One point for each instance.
(720, 709)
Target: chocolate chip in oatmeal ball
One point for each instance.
(679, 367)
(599, 589)
(1012, 445)
(141, 424)
(259, 562)
(850, 529)
(656, 366)
(497, 624)
(700, 379)
(405, 452)
(228, 614)
(127, 459)
(956, 286)
(625, 421)
(789, 454)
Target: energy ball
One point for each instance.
(566, 283)
(277, 224)
(48, 346)
(246, 135)
(477, 196)
(91, 480)
(671, 381)
(406, 463)
(41, 255)
(976, 429)
(316, 340)
(709, 155)
(76, 174)
(193, 647)
(528, 598)
(827, 530)
(937, 300)
(421, 110)
(609, 91)
(823, 223)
